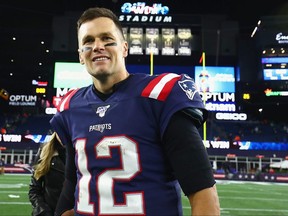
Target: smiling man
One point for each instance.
(131, 139)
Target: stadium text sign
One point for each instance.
(10, 138)
(231, 116)
(22, 100)
(281, 38)
(142, 8)
(139, 12)
(219, 101)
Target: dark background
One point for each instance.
(32, 22)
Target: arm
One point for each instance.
(68, 213)
(65, 203)
(190, 162)
(205, 202)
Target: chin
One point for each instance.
(101, 75)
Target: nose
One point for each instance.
(98, 45)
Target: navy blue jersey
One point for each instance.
(121, 166)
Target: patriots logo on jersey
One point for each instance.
(102, 110)
(188, 86)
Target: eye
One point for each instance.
(88, 41)
(107, 38)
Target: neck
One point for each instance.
(106, 84)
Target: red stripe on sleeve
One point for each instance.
(148, 89)
(167, 89)
(64, 103)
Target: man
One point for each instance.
(131, 139)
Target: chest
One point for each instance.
(133, 118)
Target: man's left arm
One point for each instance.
(205, 202)
(190, 162)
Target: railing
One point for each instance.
(230, 167)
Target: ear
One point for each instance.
(80, 58)
(125, 49)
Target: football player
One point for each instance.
(131, 139)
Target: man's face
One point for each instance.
(102, 48)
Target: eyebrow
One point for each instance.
(100, 35)
(86, 38)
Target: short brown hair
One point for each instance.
(97, 12)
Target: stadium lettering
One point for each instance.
(137, 18)
(218, 96)
(220, 144)
(61, 92)
(10, 138)
(216, 144)
(280, 36)
(231, 116)
(220, 107)
(50, 111)
(24, 98)
(142, 8)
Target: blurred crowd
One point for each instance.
(252, 130)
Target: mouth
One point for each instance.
(99, 59)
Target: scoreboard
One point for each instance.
(275, 68)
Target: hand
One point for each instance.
(68, 213)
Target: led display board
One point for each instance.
(215, 78)
(70, 75)
(216, 86)
(274, 68)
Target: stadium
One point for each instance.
(239, 64)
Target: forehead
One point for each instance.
(97, 26)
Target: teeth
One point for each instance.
(100, 59)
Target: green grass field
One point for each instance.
(236, 198)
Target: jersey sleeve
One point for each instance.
(58, 122)
(187, 154)
(173, 92)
